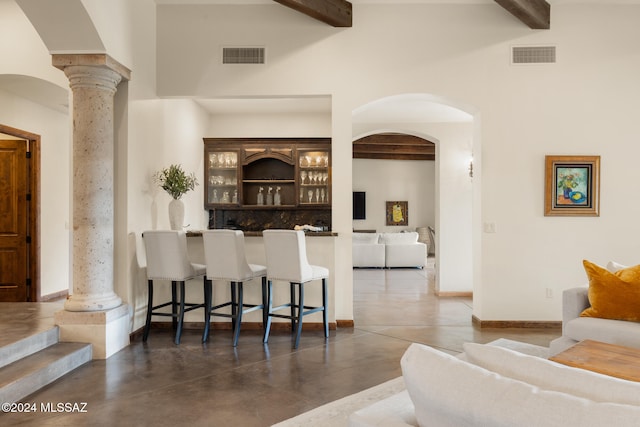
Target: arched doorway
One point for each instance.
(454, 131)
(41, 106)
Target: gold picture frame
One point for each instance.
(397, 213)
(572, 186)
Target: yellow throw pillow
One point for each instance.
(613, 295)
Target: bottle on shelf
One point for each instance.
(269, 197)
(276, 197)
(260, 197)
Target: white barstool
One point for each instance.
(287, 261)
(167, 259)
(226, 260)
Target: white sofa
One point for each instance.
(367, 250)
(495, 386)
(576, 328)
(388, 250)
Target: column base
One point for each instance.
(79, 302)
(107, 331)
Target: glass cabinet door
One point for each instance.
(222, 178)
(314, 178)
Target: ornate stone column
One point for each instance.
(93, 80)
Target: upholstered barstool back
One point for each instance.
(286, 254)
(167, 259)
(226, 260)
(167, 256)
(225, 256)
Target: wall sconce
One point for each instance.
(471, 168)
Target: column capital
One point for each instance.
(87, 76)
(100, 60)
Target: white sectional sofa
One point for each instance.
(490, 385)
(367, 250)
(388, 250)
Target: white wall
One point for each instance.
(390, 180)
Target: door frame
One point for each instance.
(34, 207)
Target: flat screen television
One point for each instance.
(359, 205)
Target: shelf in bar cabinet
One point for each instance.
(302, 207)
(268, 206)
(268, 181)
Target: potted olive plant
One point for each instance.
(177, 183)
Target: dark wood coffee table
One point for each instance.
(614, 360)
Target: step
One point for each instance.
(31, 373)
(24, 347)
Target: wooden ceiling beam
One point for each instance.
(393, 146)
(390, 148)
(534, 13)
(388, 156)
(337, 13)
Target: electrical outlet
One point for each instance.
(490, 227)
(549, 293)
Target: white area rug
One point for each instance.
(336, 413)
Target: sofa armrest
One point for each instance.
(574, 302)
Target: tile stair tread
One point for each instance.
(51, 362)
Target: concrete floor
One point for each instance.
(158, 383)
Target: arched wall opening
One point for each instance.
(454, 130)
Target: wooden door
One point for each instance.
(14, 267)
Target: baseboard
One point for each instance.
(345, 323)
(226, 326)
(454, 294)
(54, 297)
(524, 324)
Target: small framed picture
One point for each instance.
(572, 186)
(397, 213)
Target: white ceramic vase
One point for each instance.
(176, 214)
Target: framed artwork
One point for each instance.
(397, 213)
(572, 186)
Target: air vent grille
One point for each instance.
(533, 55)
(243, 55)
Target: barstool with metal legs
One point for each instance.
(287, 261)
(226, 260)
(167, 259)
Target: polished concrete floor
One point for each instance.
(158, 383)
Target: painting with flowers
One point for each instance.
(572, 185)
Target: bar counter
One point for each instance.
(320, 251)
(198, 233)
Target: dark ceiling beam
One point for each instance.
(393, 146)
(535, 13)
(337, 13)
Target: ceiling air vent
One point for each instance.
(243, 55)
(533, 55)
